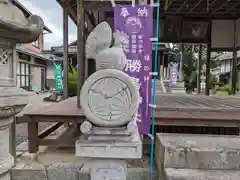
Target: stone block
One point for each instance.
(28, 170)
(194, 174)
(197, 151)
(32, 170)
(63, 171)
(111, 149)
(109, 169)
(132, 174)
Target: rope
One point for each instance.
(154, 89)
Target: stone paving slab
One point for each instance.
(197, 151)
(194, 174)
(31, 170)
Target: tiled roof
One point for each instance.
(227, 55)
(47, 57)
(27, 12)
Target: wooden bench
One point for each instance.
(172, 110)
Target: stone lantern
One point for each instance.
(14, 28)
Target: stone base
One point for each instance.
(197, 151)
(190, 174)
(109, 146)
(12, 101)
(5, 176)
(6, 164)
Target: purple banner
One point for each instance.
(136, 24)
(174, 73)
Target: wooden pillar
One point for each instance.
(65, 49)
(199, 69)
(80, 49)
(208, 58)
(181, 62)
(84, 33)
(168, 71)
(162, 67)
(207, 81)
(101, 16)
(234, 62)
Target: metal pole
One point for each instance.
(234, 63)
(80, 49)
(199, 60)
(65, 50)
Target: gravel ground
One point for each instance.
(36, 101)
(21, 131)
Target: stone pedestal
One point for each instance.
(6, 160)
(108, 149)
(12, 101)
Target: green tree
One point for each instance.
(189, 61)
(189, 69)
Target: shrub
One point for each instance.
(225, 88)
(72, 82)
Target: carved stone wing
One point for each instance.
(111, 58)
(98, 40)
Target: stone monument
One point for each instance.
(15, 28)
(109, 99)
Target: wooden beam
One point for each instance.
(195, 6)
(226, 2)
(182, 6)
(233, 7)
(72, 15)
(208, 6)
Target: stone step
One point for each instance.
(194, 174)
(197, 151)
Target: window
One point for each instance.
(36, 43)
(24, 56)
(23, 75)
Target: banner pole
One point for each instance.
(154, 90)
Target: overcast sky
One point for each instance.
(52, 14)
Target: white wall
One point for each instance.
(225, 66)
(36, 77)
(50, 73)
(222, 33)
